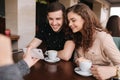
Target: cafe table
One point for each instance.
(42, 70)
(61, 70)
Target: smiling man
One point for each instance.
(53, 32)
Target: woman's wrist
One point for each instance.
(118, 72)
(117, 76)
(27, 62)
(30, 46)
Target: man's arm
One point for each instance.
(66, 53)
(35, 43)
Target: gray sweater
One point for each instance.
(14, 71)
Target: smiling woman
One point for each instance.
(96, 44)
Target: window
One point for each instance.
(115, 11)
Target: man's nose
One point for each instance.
(54, 22)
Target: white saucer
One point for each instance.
(78, 71)
(52, 61)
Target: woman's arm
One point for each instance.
(113, 54)
(111, 50)
(23, 67)
(27, 62)
(10, 72)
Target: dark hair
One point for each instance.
(56, 6)
(113, 25)
(91, 24)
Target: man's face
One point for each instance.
(55, 20)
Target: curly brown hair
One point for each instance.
(91, 24)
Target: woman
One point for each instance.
(10, 70)
(93, 42)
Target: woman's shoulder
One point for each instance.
(101, 34)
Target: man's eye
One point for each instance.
(73, 20)
(58, 19)
(50, 18)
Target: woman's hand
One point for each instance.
(29, 59)
(103, 72)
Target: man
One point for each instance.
(53, 33)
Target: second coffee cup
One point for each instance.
(85, 65)
(52, 54)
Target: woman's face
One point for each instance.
(75, 22)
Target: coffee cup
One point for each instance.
(85, 65)
(52, 54)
